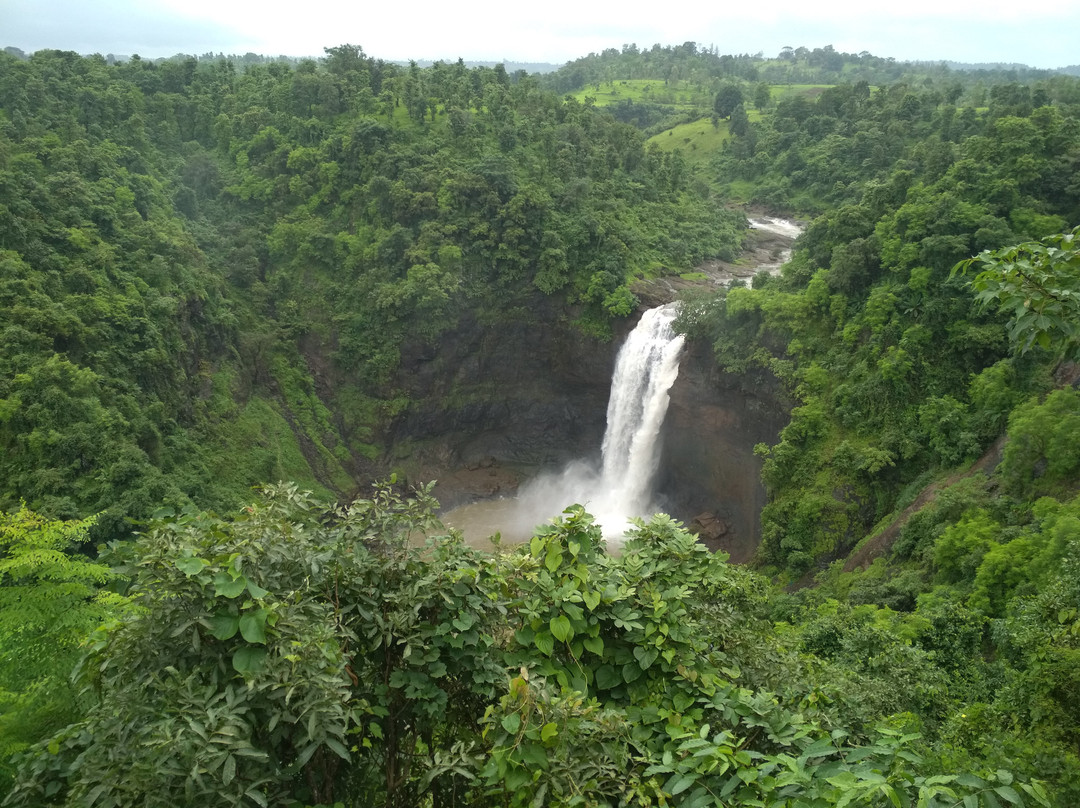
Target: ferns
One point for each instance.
(50, 600)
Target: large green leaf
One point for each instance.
(553, 559)
(463, 622)
(227, 586)
(545, 643)
(224, 626)
(338, 748)
(228, 771)
(608, 677)
(249, 659)
(1009, 795)
(645, 656)
(256, 591)
(678, 783)
(191, 566)
(561, 629)
(533, 755)
(253, 626)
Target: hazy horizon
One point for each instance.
(967, 31)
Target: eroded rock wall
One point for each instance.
(709, 475)
(493, 402)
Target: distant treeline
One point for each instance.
(825, 65)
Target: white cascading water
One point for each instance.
(645, 369)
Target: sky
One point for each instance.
(557, 31)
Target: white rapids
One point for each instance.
(782, 227)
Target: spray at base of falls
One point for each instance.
(645, 369)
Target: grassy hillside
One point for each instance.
(681, 95)
(697, 140)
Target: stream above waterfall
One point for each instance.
(766, 248)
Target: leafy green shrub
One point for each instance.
(960, 549)
(1017, 568)
(1040, 455)
(304, 653)
(1036, 283)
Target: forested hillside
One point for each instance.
(690, 62)
(214, 275)
(900, 370)
(210, 274)
(922, 499)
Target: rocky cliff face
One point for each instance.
(495, 402)
(709, 475)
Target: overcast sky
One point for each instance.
(1041, 35)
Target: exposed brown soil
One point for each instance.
(484, 480)
(882, 543)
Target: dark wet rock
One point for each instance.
(708, 463)
(525, 394)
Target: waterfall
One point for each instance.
(645, 369)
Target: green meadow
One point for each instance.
(698, 140)
(645, 91)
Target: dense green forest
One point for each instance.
(824, 65)
(190, 251)
(211, 271)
